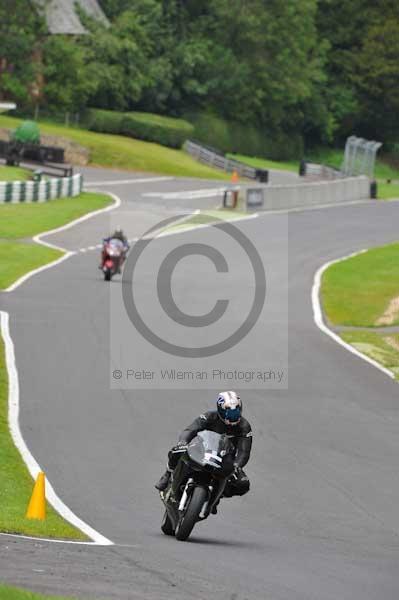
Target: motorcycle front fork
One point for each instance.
(184, 497)
(213, 498)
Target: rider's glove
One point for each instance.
(180, 447)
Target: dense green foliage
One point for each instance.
(362, 66)
(236, 137)
(21, 32)
(143, 126)
(266, 75)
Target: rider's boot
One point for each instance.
(164, 481)
(214, 510)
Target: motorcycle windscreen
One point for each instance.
(115, 247)
(209, 448)
(116, 242)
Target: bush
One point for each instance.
(155, 128)
(234, 137)
(27, 133)
(103, 121)
(143, 126)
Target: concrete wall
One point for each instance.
(320, 193)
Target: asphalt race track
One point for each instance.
(322, 519)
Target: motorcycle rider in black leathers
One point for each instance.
(226, 419)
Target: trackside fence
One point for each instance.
(15, 192)
(219, 161)
(316, 171)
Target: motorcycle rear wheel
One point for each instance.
(167, 527)
(190, 517)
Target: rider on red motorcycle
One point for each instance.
(117, 235)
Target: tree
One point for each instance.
(114, 8)
(377, 81)
(21, 30)
(67, 88)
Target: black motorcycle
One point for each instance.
(198, 482)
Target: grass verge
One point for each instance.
(17, 258)
(117, 151)
(378, 347)
(264, 163)
(387, 191)
(16, 483)
(14, 174)
(11, 593)
(332, 157)
(27, 220)
(358, 290)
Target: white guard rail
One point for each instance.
(15, 192)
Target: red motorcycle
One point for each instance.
(113, 257)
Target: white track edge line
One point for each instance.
(53, 541)
(30, 274)
(318, 315)
(202, 225)
(17, 536)
(126, 181)
(13, 393)
(68, 253)
(29, 460)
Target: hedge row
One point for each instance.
(143, 126)
(227, 136)
(230, 136)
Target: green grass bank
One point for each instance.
(21, 221)
(382, 348)
(26, 220)
(12, 593)
(363, 291)
(120, 152)
(14, 174)
(17, 258)
(358, 291)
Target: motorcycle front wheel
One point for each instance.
(190, 516)
(107, 275)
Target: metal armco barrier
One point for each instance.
(317, 171)
(40, 191)
(320, 193)
(215, 159)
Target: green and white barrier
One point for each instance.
(15, 192)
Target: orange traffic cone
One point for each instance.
(37, 503)
(234, 177)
